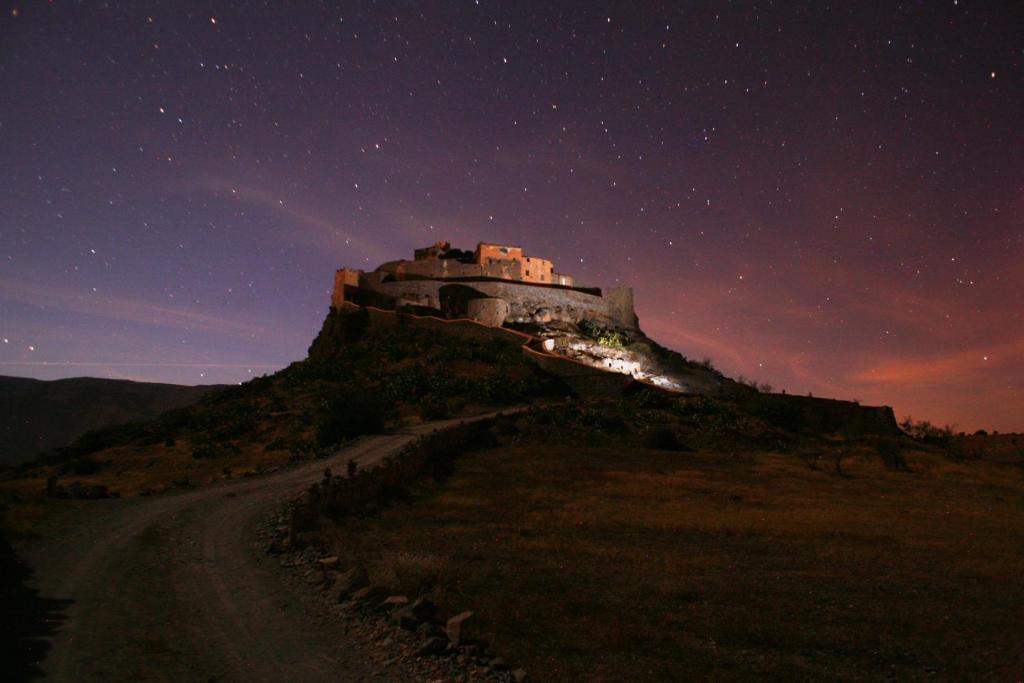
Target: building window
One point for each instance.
(527, 273)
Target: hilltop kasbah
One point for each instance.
(588, 337)
(494, 285)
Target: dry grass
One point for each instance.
(412, 574)
(134, 469)
(630, 564)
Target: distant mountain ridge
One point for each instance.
(39, 415)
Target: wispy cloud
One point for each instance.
(950, 368)
(313, 228)
(126, 309)
(107, 364)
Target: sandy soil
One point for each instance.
(178, 587)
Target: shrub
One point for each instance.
(663, 439)
(778, 411)
(613, 339)
(434, 407)
(411, 573)
(81, 465)
(759, 387)
(97, 440)
(347, 414)
(645, 398)
(430, 456)
(211, 451)
(925, 431)
(302, 449)
(892, 454)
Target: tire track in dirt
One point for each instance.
(176, 587)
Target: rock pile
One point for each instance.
(401, 635)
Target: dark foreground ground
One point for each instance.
(588, 550)
(178, 587)
(591, 562)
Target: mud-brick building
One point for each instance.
(494, 284)
(531, 268)
(499, 261)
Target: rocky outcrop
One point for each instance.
(595, 370)
(488, 311)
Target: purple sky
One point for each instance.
(825, 199)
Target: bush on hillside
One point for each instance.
(434, 407)
(891, 451)
(604, 336)
(347, 414)
(663, 439)
(925, 431)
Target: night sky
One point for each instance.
(826, 198)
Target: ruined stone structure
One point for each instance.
(494, 284)
(440, 261)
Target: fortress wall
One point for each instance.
(417, 292)
(450, 268)
(561, 304)
(432, 268)
(620, 305)
(343, 277)
(526, 303)
(826, 415)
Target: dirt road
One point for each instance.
(177, 587)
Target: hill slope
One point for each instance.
(360, 378)
(661, 537)
(368, 370)
(42, 415)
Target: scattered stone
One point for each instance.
(368, 593)
(430, 630)
(402, 639)
(405, 619)
(278, 546)
(347, 583)
(314, 577)
(433, 646)
(305, 539)
(394, 602)
(456, 628)
(423, 609)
